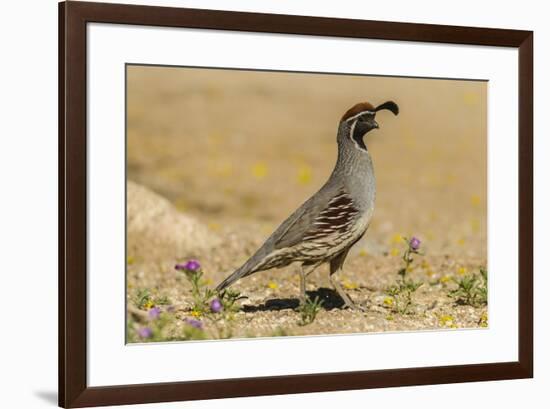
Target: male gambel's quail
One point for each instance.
(330, 222)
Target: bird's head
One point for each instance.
(360, 119)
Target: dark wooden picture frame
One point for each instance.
(73, 388)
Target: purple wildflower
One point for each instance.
(414, 243)
(190, 265)
(216, 305)
(154, 313)
(194, 323)
(145, 332)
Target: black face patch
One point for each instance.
(358, 133)
(362, 126)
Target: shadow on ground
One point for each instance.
(329, 297)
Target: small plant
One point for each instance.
(308, 310)
(144, 300)
(229, 300)
(220, 319)
(216, 308)
(471, 290)
(400, 295)
(200, 292)
(482, 291)
(193, 329)
(413, 245)
(151, 327)
(483, 320)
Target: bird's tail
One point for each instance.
(246, 269)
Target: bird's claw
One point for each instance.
(355, 307)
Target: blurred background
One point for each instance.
(243, 149)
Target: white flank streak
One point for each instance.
(335, 198)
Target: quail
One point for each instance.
(329, 223)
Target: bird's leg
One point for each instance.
(335, 266)
(347, 300)
(304, 272)
(302, 285)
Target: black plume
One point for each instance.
(390, 106)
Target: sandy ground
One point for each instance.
(234, 153)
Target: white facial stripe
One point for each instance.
(351, 130)
(358, 115)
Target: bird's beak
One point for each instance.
(373, 124)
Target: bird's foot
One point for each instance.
(348, 302)
(350, 305)
(354, 307)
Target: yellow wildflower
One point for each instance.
(446, 320)
(397, 238)
(388, 301)
(304, 175)
(389, 317)
(259, 170)
(461, 242)
(394, 252)
(461, 271)
(483, 320)
(196, 314)
(363, 253)
(148, 304)
(273, 285)
(446, 278)
(350, 285)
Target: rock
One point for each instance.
(158, 231)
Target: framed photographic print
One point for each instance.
(256, 204)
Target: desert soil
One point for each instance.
(217, 159)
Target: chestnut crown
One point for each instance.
(364, 107)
